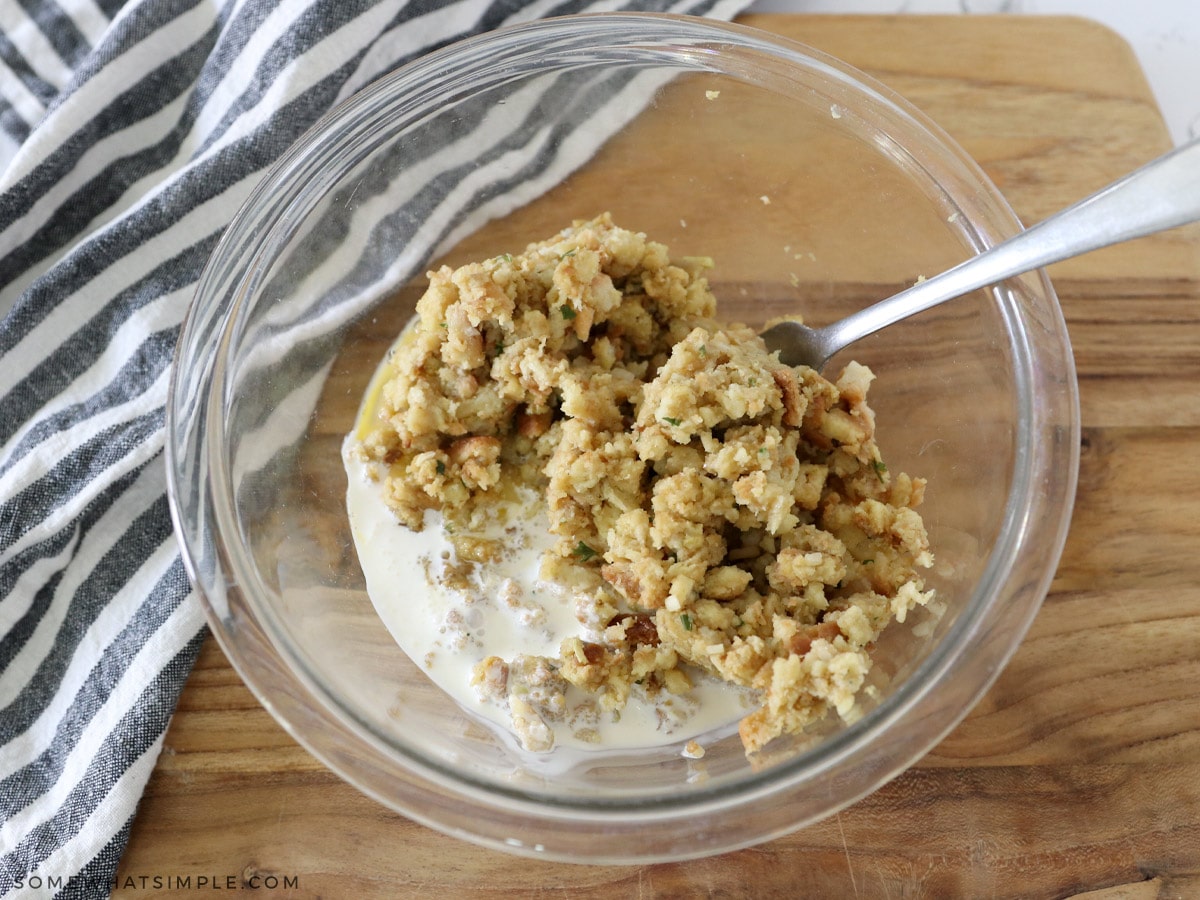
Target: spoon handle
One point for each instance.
(1162, 194)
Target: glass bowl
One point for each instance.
(816, 191)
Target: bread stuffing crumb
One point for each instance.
(730, 514)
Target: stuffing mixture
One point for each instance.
(723, 512)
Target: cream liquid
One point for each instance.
(506, 610)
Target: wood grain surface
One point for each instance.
(1078, 773)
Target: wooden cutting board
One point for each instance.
(1078, 772)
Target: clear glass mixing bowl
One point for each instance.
(815, 190)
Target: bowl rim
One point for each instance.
(233, 252)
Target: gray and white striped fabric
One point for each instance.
(129, 135)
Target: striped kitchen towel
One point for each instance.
(129, 135)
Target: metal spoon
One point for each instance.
(1162, 194)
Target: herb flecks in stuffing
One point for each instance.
(734, 515)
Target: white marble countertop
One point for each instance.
(1165, 35)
